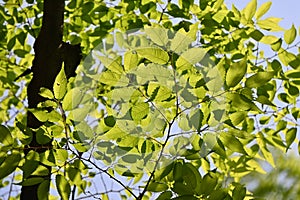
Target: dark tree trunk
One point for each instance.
(46, 65)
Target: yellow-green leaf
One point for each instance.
(249, 10)
(190, 57)
(112, 64)
(232, 143)
(72, 99)
(236, 72)
(263, 9)
(154, 54)
(60, 85)
(157, 35)
(45, 92)
(270, 24)
(290, 35)
(290, 136)
(139, 111)
(131, 60)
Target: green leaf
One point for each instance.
(232, 143)
(185, 197)
(131, 60)
(177, 171)
(290, 35)
(131, 158)
(79, 114)
(208, 184)
(158, 35)
(250, 9)
(259, 79)
(43, 190)
(139, 111)
(165, 195)
(241, 102)
(276, 45)
(109, 121)
(32, 181)
(269, 39)
(239, 192)
(262, 145)
(154, 54)
(40, 115)
(264, 100)
(157, 187)
(293, 74)
(5, 136)
(72, 99)
(42, 137)
(63, 187)
(113, 65)
(257, 35)
(263, 9)
(182, 189)
(190, 57)
(290, 137)
(60, 85)
(45, 92)
(181, 41)
(192, 176)
(236, 73)
(270, 24)
(10, 163)
(237, 117)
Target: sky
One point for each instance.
(289, 10)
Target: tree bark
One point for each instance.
(46, 65)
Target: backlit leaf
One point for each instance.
(139, 111)
(250, 9)
(263, 9)
(290, 35)
(131, 60)
(290, 136)
(236, 72)
(259, 79)
(190, 57)
(232, 143)
(270, 24)
(60, 85)
(157, 35)
(45, 92)
(154, 54)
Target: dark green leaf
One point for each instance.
(109, 121)
(157, 187)
(259, 79)
(5, 136)
(63, 187)
(10, 164)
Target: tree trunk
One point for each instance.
(46, 65)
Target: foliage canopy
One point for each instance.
(171, 101)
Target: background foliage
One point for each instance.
(172, 101)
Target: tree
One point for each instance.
(170, 100)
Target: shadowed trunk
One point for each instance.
(46, 65)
